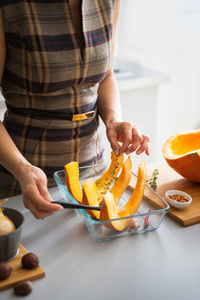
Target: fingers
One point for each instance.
(144, 146)
(37, 198)
(113, 139)
(140, 145)
(130, 137)
(40, 205)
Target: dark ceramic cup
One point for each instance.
(9, 243)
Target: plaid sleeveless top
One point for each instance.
(45, 70)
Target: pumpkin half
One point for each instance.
(182, 153)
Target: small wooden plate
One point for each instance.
(19, 273)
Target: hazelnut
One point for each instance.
(30, 261)
(5, 271)
(23, 288)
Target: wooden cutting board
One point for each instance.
(168, 179)
(18, 273)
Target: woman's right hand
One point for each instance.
(33, 180)
(36, 196)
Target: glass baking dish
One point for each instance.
(148, 217)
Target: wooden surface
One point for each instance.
(19, 273)
(168, 179)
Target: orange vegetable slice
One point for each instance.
(136, 198)
(90, 197)
(122, 211)
(105, 181)
(72, 180)
(109, 211)
(122, 181)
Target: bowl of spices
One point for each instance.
(178, 199)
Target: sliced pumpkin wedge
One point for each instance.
(72, 180)
(109, 211)
(90, 197)
(122, 181)
(104, 182)
(136, 198)
(122, 211)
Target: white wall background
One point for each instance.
(165, 35)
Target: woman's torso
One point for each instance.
(52, 66)
(43, 52)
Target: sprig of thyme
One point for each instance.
(152, 180)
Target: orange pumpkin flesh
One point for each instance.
(182, 153)
(104, 182)
(94, 191)
(72, 180)
(122, 181)
(136, 198)
(109, 212)
(90, 197)
(122, 211)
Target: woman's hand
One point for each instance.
(36, 196)
(129, 136)
(32, 180)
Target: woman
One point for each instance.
(57, 79)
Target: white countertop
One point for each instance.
(163, 264)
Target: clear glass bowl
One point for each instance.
(98, 229)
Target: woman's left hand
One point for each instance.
(129, 136)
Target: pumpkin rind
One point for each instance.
(182, 153)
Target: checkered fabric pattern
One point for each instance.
(46, 70)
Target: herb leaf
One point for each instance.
(152, 180)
